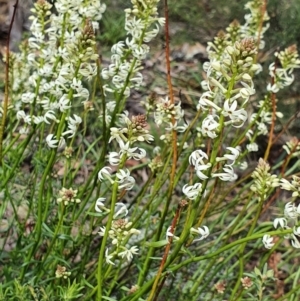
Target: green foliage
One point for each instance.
(98, 203)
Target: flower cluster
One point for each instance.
(229, 82)
(169, 114)
(67, 196)
(53, 64)
(61, 272)
(264, 182)
(120, 233)
(294, 185)
(131, 130)
(229, 86)
(142, 25)
(252, 26)
(282, 76)
(292, 146)
(291, 215)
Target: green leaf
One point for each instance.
(108, 298)
(157, 244)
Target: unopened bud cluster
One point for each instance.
(264, 182)
(119, 234)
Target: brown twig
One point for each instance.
(273, 99)
(161, 285)
(285, 127)
(5, 102)
(171, 94)
(263, 11)
(154, 293)
(276, 194)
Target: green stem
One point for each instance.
(100, 275)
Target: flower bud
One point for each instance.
(230, 50)
(246, 77)
(227, 62)
(216, 65)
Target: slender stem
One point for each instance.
(166, 253)
(100, 275)
(5, 102)
(177, 267)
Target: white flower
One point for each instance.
(252, 147)
(280, 221)
(24, 130)
(149, 35)
(237, 117)
(109, 257)
(128, 253)
(63, 103)
(72, 125)
(206, 103)
(169, 233)
(192, 191)
(286, 185)
(131, 152)
(290, 211)
(104, 174)
(82, 92)
(199, 168)
(243, 165)
(49, 115)
(99, 206)
(197, 156)
(247, 91)
(120, 210)
(38, 119)
(118, 48)
(22, 115)
(113, 158)
(128, 184)
(295, 242)
(234, 153)
(102, 231)
(296, 231)
(227, 175)
(122, 175)
(209, 126)
(28, 97)
(125, 180)
(268, 241)
(88, 70)
(229, 109)
(233, 156)
(203, 232)
(51, 141)
(197, 159)
(76, 84)
(115, 133)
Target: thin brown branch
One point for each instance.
(263, 11)
(286, 126)
(154, 293)
(273, 99)
(5, 102)
(171, 94)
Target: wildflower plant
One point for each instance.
(98, 203)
